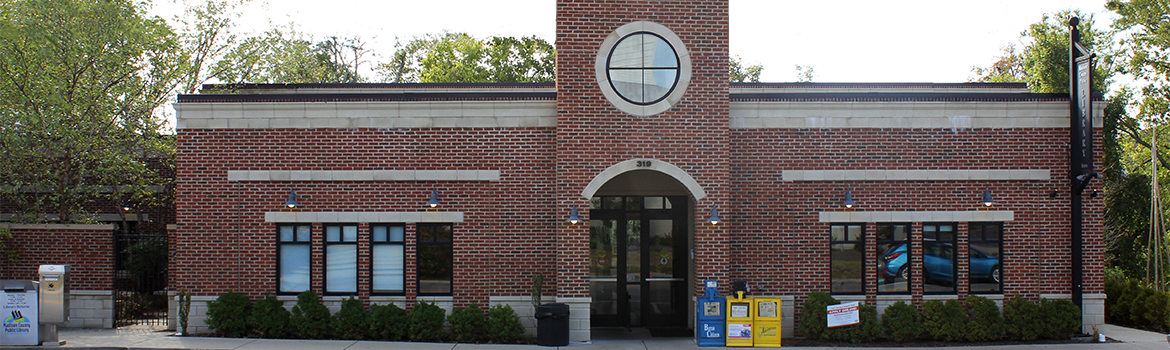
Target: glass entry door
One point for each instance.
(638, 261)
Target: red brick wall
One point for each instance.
(592, 134)
(223, 242)
(88, 252)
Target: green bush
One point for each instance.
(228, 314)
(466, 323)
(944, 321)
(1121, 310)
(310, 319)
(503, 326)
(1137, 306)
(388, 322)
(352, 322)
(1114, 288)
(1022, 319)
(863, 332)
(986, 322)
(426, 323)
(812, 316)
(902, 322)
(270, 319)
(1061, 318)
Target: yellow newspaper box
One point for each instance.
(739, 321)
(767, 322)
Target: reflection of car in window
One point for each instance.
(937, 260)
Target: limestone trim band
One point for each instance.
(917, 175)
(363, 175)
(645, 164)
(352, 217)
(918, 216)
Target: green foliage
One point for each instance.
(1130, 303)
(902, 322)
(1062, 318)
(503, 326)
(285, 56)
(270, 319)
(1043, 63)
(1020, 317)
(467, 323)
(310, 319)
(537, 289)
(740, 73)
(7, 247)
(184, 309)
(146, 257)
(1145, 53)
(461, 58)
(426, 323)
(352, 322)
(813, 320)
(79, 84)
(866, 331)
(944, 321)
(986, 322)
(228, 314)
(388, 322)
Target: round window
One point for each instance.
(642, 68)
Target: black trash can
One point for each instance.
(552, 324)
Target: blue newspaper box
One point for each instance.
(711, 323)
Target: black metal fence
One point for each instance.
(140, 276)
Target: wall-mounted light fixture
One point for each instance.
(848, 203)
(1052, 195)
(987, 202)
(573, 218)
(434, 202)
(292, 199)
(714, 219)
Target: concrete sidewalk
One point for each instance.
(143, 338)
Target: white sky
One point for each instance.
(848, 40)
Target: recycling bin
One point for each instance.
(710, 321)
(552, 324)
(19, 312)
(767, 322)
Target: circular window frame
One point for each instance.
(663, 104)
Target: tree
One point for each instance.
(285, 56)
(1043, 63)
(745, 73)
(79, 81)
(461, 58)
(804, 74)
(205, 31)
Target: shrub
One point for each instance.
(352, 322)
(310, 319)
(863, 332)
(1022, 319)
(1154, 312)
(228, 314)
(466, 323)
(986, 322)
(388, 322)
(1137, 305)
(503, 326)
(1114, 287)
(184, 309)
(1120, 311)
(812, 315)
(270, 319)
(1060, 318)
(902, 322)
(944, 321)
(426, 323)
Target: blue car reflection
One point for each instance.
(937, 259)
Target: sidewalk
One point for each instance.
(151, 339)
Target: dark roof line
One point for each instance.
(372, 85)
(354, 97)
(847, 84)
(886, 96)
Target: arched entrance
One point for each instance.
(640, 240)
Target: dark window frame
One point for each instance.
(325, 256)
(419, 246)
(861, 241)
(998, 242)
(609, 68)
(387, 242)
(909, 264)
(295, 242)
(954, 242)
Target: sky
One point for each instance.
(843, 41)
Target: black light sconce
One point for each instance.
(987, 202)
(1052, 195)
(573, 218)
(292, 199)
(434, 202)
(714, 219)
(848, 203)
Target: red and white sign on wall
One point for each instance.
(842, 314)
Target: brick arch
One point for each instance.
(640, 164)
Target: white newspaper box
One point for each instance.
(18, 308)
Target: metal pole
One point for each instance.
(1075, 162)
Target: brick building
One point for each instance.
(644, 139)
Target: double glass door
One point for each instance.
(638, 261)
